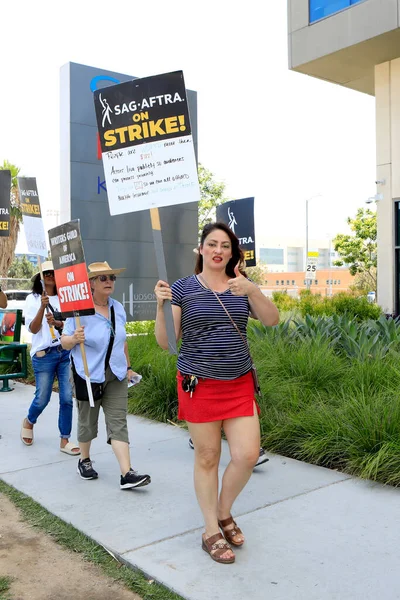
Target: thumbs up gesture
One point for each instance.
(240, 285)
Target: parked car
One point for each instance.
(16, 299)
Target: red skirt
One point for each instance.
(217, 399)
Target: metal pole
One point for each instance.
(306, 260)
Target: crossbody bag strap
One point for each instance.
(112, 336)
(110, 343)
(226, 310)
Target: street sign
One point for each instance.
(311, 266)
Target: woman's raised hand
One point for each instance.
(163, 292)
(240, 285)
(44, 300)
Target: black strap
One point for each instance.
(110, 343)
(112, 336)
(57, 311)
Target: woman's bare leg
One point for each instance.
(243, 435)
(207, 451)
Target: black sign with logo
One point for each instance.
(5, 206)
(29, 197)
(144, 110)
(239, 216)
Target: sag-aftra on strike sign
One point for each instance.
(146, 143)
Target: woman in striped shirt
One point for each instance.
(214, 353)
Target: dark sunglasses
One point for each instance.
(104, 278)
(48, 273)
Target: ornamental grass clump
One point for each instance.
(330, 390)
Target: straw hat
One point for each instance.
(47, 265)
(102, 268)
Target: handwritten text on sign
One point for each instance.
(136, 176)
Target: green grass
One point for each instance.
(330, 387)
(330, 391)
(75, 541)
(5, 584)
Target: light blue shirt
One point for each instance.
(97, 337)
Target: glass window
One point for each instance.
(282, 282)
(271, 256)
(397, 223)
(292, 281)
(287, 282)
(320, 9)
(316, 282)
(327, 282)
(277, 282)
(334, 282)
(338, 281)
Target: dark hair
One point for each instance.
(237, 252)
(37, 287)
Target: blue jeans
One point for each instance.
(54, 363)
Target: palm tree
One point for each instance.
(8, 244)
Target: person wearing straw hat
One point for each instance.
(49, 359)
(99, 332)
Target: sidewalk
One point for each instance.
(312, 533)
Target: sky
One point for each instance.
(264, 131)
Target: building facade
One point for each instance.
(328, 282)
(356, 44)
(281, 255)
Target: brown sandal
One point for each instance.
(230, 534)
(216, 546)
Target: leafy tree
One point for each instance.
(212, 195)
(257, 273)
(359, 250)
(21, 268)
(8, 244)
(362, 281)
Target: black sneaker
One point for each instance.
(133, 479)
(263, 458)
(85, 469)
(191, 445)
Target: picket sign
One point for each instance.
(148, 154)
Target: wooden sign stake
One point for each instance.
(162, 274)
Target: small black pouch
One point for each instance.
(257, 387)
(81, 392)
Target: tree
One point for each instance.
(359, 250)
(21, 268)
(212, 195)
(257, 273)
(8, 244)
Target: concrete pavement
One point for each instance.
(311, 533)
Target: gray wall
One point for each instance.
(344, 47)
(122, 240)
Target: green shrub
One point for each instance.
(330, 390)
(156, 396)
(138, 327)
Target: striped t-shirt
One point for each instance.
(211, 346)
